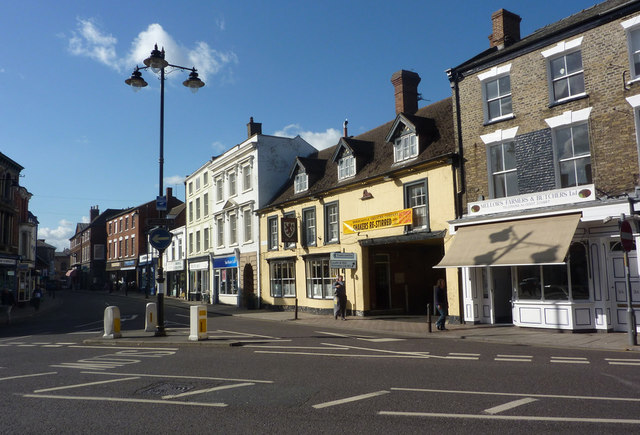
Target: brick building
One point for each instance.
(547, 127)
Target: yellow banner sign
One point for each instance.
(378, 222)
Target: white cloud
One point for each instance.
(319, 140)
(218, 147)
(58, 237)
(175, 180)
(88, 40)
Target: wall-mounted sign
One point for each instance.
(343, 260)
(289, 230)
(569, 195)
(379, 221)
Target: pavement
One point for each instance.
(396, 326)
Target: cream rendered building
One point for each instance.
(383, 199)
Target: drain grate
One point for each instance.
(165, 389)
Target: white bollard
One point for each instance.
(151, 317)
(112, 322)
(198, 330)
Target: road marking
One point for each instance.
(125, 400)
(175, 349)
(246, 334)
(623, 361)
(206, 378)
(464, 354)
(15, 338)
(493, 393)
(509, 405)
(393, 352)
(512, 417)
(569, 360)
(335, 334)
(350, 399)
(343, 355)
(8, 378)
(518, 358)
(87, 384)
(380, 340)
(265, 346)
(208, 390)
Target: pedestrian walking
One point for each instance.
(36, 297)
(440, 291)
(7, 302)
(340, 298)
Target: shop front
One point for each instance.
(176, 279)
(146, 272)
(199, 287)
(9, 274)
(225, 280)
(555, 267)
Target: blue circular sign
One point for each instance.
(160, 238)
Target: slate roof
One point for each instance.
(374, 155)
(575, 24)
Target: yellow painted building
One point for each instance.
(375, 209)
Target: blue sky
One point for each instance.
(298, 67)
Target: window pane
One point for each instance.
(560, 89)
(494, 109)
(636, 63)
(492, 89)
(579, 271)
(583, 170)
(556, 285)
(499, 186)
(581, 140)
(512, 183)
(576, 84)
(505, 85)
(563, 143)
(567, 174)
(574, 62)
(496, 158)
(529, 282)
(558, 68)
(509, 155)
(505, 105)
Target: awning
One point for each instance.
(512, 243)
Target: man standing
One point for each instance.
(340, 293)
(441, 304)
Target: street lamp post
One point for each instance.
(158, 64)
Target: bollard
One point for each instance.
(151, 317)
(296, 314)
(429, 317)
(112, 322)
(198, 331)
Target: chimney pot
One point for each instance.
(405, 85)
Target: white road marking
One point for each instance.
(514, 356)
(8, 378)
(493, 393)
(206, 378)
(87, 384)
(404, 354)
(343, 355)
(509, 405)
(519, 358)
(125, 347)
(208, 390)
(380, 340)
(569, 360)
(265, 346)
(512, 359)
(512, 417)
(246, 334)
(350, 399)
(124, 400)
(464, 354)
(623, 361)
(335, 334)
(15, 338)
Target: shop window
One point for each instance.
(228, 281)
(319, 278)
(282, 276)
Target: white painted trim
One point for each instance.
(499, 135)
(494, 72)
(562, 46)
(627, 24)
(569, 117)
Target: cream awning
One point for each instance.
(513, 243)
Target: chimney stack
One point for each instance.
(94, 213)
(254, 128)
(405, 85)
(506, 28)
(169, 193)
(344, 128)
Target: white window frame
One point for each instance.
(220, 231)
(495, 74)
(272, 233)
(419, 205)
(497, 138)
(282, 278)
(246, 178)
(301, 182)
(219, 189)
(247, 220)
(205, 203)
(346, 167)
(232, 180)
(233, 229)
(331, 223)
(405, 147)
(561, 50)
(309, 226)
(566, 120)
(632, 28)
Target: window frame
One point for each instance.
(247, 225)
(330, 224)
(280, 286)
(272, 233)
(309, 233)
(504, 172)
(561, 51)
(405, 147)
(407, 188)
(319, 286)
(301, 182)
(346, 167)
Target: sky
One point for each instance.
(298, 67)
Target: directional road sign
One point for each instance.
(160, 238)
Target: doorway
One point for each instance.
(382, 282)
(502, 294)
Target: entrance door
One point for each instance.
(502, 294)
(618, 286)
(382, 282)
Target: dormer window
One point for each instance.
(346, 167)
(405, 147)
(301, 182)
